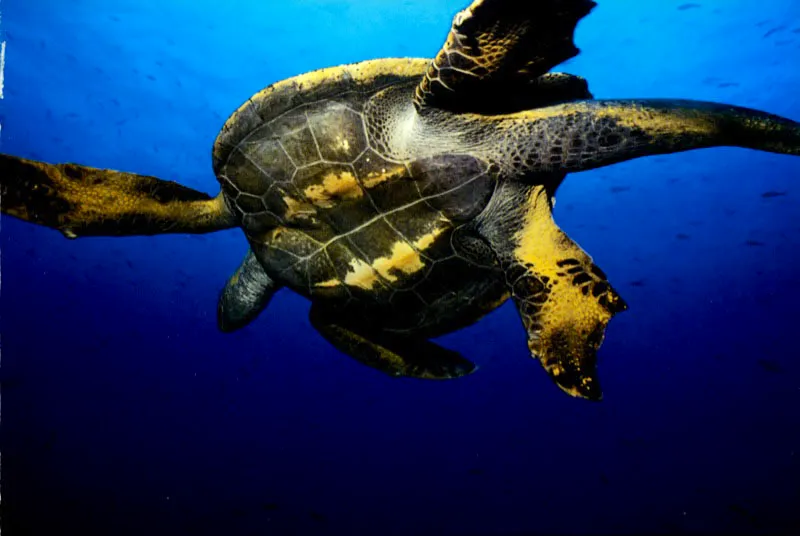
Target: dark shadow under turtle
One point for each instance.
(407, 198)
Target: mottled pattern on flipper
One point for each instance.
(564, 300)
(583, 135)
(497, 48)
(391, 354)
(246, 294)
(86, 201)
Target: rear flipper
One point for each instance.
(84, 201)
(247, 293)
(391, 354)
(563, 299)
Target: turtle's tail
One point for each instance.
(590, 134)
(85, 201)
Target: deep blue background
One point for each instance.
(126, 412)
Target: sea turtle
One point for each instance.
(407, 198)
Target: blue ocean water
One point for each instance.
(126, 412)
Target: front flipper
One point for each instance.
(392, 354)
(86, 201)
(564, 300)
(245, 295)
(497, 54)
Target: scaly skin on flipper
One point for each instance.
(583, 135)
(86, 201)
(246, 294)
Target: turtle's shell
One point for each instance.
(332, 207)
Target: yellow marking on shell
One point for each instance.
(364, 72)
(362, 275)
(402, 258)
(342, 144)
(425, 241)
(329, 283)
(567, 310)
(334, 186)
(295, 208)
(374, 178)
